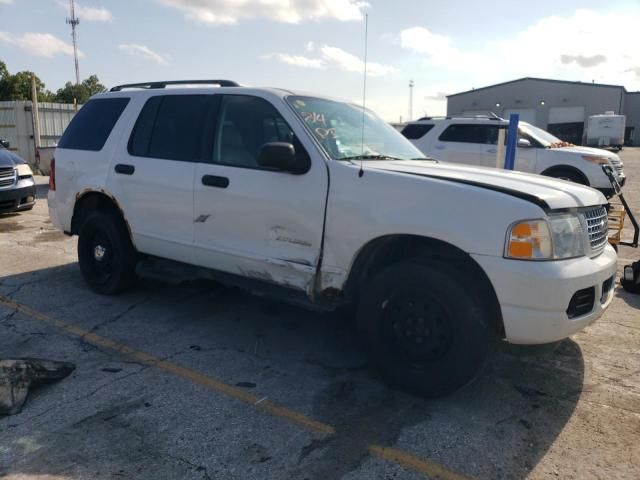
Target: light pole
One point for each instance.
(411, 84)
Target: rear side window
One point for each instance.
(485, 134)
(92, 125)
(415, 131)
(175, 127)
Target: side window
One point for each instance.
(174, 127)
(244, 125)
(92, 125)
(414, 131)
(473, 133)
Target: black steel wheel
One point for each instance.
(106, 256)
(426, 326)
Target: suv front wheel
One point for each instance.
(106, 256)
(426, 326)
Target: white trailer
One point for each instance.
(605, 130)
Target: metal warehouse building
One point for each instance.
(559, 106)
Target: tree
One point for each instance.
(81, 93)
(18, 86)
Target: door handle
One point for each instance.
(215, 181)
(439, 147)
(492, 150)
(125, 169)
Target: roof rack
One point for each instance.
(163, 84)
(493, 116)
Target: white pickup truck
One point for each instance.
(310, 199)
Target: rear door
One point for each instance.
(463, 143)
(152, 174)
(253, 221)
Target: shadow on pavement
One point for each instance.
(499, 426)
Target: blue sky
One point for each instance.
(317, 45)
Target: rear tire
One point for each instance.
(426, 326)
(106, 255)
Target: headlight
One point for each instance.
(596, 159)
(24, 170)
(557, 237)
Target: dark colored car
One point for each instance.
(17, 185)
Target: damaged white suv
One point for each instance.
(308, 199)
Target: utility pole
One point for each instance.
(411, 84)
(74, 21)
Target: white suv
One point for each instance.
(473, 141)
(284, 194)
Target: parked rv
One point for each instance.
(606, 131)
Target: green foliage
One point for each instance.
(18, 87)
(82, 92)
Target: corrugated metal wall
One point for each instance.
(16, 125)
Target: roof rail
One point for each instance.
(163, 84)
(433, 118)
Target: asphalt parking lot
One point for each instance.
(198, 381)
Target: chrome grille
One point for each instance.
(617, 164)
(7, 177)
(597, 228)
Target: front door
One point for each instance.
(254, 221)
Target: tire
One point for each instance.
(569, 175)
(426, 326)
(106, 256)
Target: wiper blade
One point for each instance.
(371, 157)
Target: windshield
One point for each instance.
(543, 137)
(338, 128)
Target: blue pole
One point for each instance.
(512, 142)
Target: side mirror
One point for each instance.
(282, 156)
(524, 143)
(4, 143)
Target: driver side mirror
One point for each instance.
(282, 156)
(524, 143)
(4, 143)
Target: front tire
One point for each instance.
(106, 255)
(568, 175)
(426, 326)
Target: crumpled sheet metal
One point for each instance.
(18, 375)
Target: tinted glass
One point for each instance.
(415, 131)
(485, 134)
(245, 124)
(92, 125)
(174, 127)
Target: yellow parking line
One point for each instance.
(425, 467)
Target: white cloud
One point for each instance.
(228, 12)
(350, 63)
(570, 47)
(143, 51)
(88, 14)
(6, 2)
(296, 60)
(335, 57)
(38, 44)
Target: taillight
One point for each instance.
(52, 175)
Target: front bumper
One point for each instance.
(20, 197)
(534, 296)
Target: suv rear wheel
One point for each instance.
(426, 327)
(106, 256)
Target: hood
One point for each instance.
(548, 193)
(9, 159)
(588, 151)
